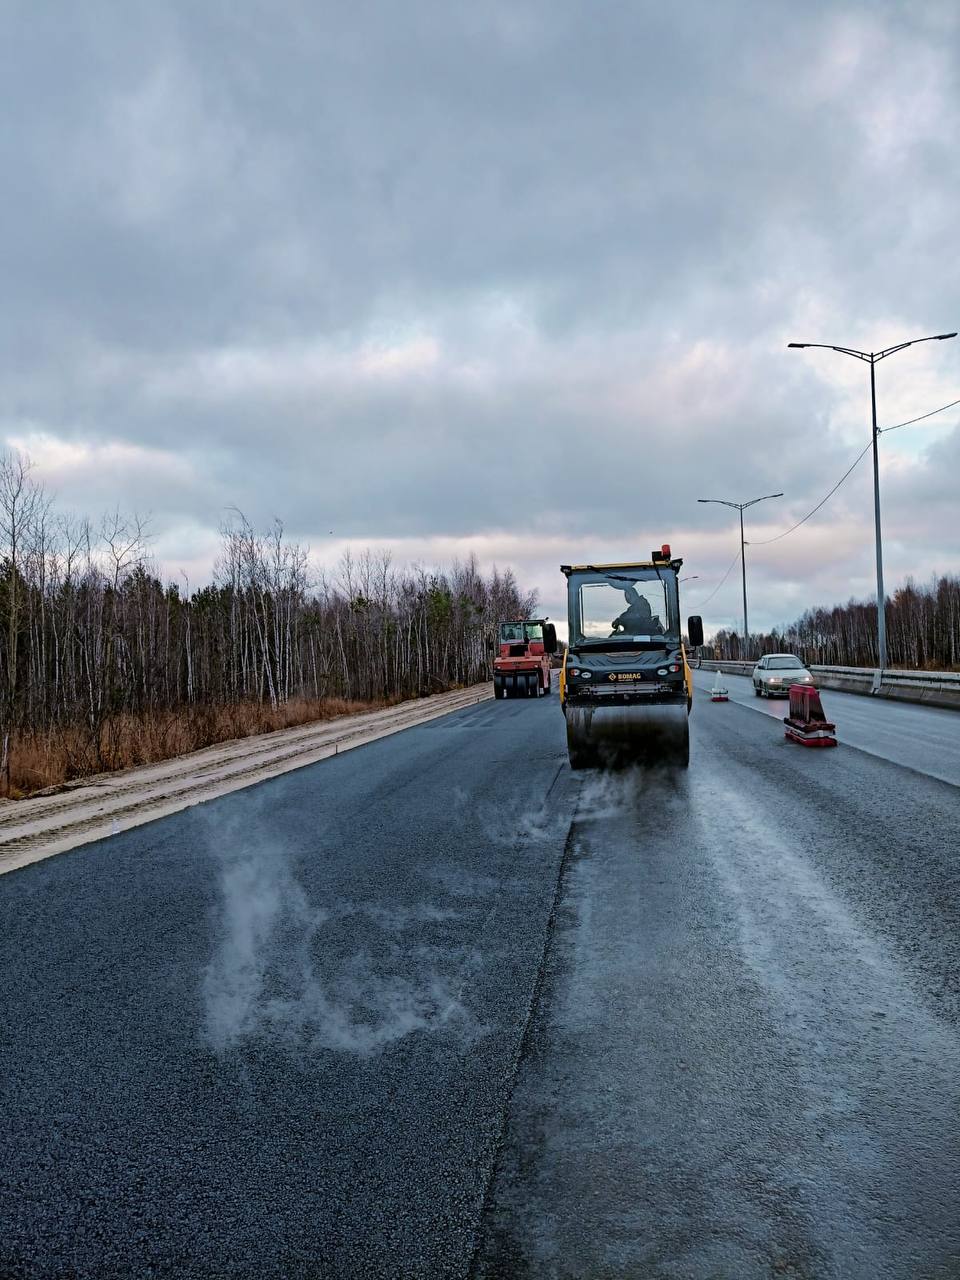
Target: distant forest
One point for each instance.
(923, 631)
(90, 636)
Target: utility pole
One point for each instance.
(872, 358)
(881, 594)
(743, 574)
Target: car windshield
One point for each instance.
(622, 605)
(784, 664)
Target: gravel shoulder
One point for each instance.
(40, 827)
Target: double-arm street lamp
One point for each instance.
(741, 507)
(872, 357)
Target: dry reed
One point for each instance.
(42, 760)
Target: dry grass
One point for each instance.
(42, 760)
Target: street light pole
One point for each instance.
(741, 507)
(743, 574)
(871, 358)
(881, 594)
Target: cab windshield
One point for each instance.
(631, 605)
(520, 632)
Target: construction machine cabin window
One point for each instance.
(626, 607)
(520, 632)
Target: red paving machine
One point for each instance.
(806, 722)
(521, 668)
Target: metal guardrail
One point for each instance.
(934, 688)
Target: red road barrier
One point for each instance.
(806, 722)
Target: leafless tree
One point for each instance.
(89, 634)
(923, 631)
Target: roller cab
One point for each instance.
(626, 687)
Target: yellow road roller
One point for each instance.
(625, 686)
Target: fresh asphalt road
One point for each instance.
(438, 1007)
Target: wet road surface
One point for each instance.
(441, 1008)
(922, 738)
(745, 1061)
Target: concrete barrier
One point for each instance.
(932, 688)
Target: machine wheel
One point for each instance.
(509, 686)
(498, 690)
(533, 686)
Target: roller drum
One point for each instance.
(612, 737)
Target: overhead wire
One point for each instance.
(881, 431)
(766, 541)
(910, 421)
(703, 603)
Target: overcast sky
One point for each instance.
(511, 277)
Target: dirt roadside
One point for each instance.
(38, 828)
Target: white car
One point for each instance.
(776, 672)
